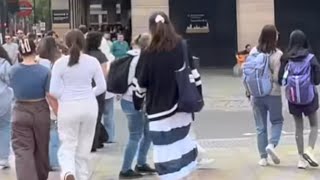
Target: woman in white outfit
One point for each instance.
(71, 84)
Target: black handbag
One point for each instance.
(190, 100)
(117, 81)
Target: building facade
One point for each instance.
(216, 29)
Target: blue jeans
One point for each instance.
(5, 135)
(138, 136)
(54, 145)
(108, 119)
(262, 106)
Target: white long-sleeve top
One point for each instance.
(75, 82)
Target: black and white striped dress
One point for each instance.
(175, 151)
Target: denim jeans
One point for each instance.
(138, 136)
(54, 145)
(108, 119)
(262, 106)
(5, 135)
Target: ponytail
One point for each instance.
(74, 54)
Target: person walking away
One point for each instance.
(265, 93)
(93, 41)
(108, 114)
(6, 96)
(174, 151)
(138, 125)
(31, 115)
(120, 47)
(12, 49)
(105, 47)
(48, 54)
(71, 84)
(300, 74)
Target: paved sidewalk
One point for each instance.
(231, 163)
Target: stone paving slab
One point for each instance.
(238, 163)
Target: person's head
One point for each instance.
(107, 36)
(298, 41)
(142, 41)
(164, 36)
(93, 40)
(52, 34)
(76, 43)
(48, 49)
(120, 37)
(4, 54)
(20, 34)
(83, 29)
(8, 38)
(248, 47)
(268, 39)
(27, 47)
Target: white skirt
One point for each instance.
(175, 151)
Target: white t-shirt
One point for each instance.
(75, 82)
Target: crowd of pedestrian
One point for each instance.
(64, 94)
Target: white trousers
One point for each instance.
(76, 128)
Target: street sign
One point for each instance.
(60, 16)
(25, 8)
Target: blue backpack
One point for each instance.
(257, 75)
(297, 78)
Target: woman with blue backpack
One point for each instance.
(260, 77)
(300, 73)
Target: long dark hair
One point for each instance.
(48, 49)
(4, 54)
(298, 41)
(164, 36)
(268, 39)
(93, 40)
(76, 43)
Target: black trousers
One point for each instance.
(99, 136)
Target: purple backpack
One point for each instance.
(299, 87)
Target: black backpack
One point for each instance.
(117, 81)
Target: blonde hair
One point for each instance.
(142, 41)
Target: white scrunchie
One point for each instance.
(159, 18)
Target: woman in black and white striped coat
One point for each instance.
(175, 152)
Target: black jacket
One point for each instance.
(294, 109)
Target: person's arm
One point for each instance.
(52, 101)
(283, 64)
(140, 82)
(6, 72)
(56, 82)
(194, 70)
(99, 79)
(276, 66)
(315, 71)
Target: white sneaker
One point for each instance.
(272, 153)
(308, 156)
(302, 163)
(4, 164)
(263, 162)
(203, 162)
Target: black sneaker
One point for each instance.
(130, 174)
(145, 169)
